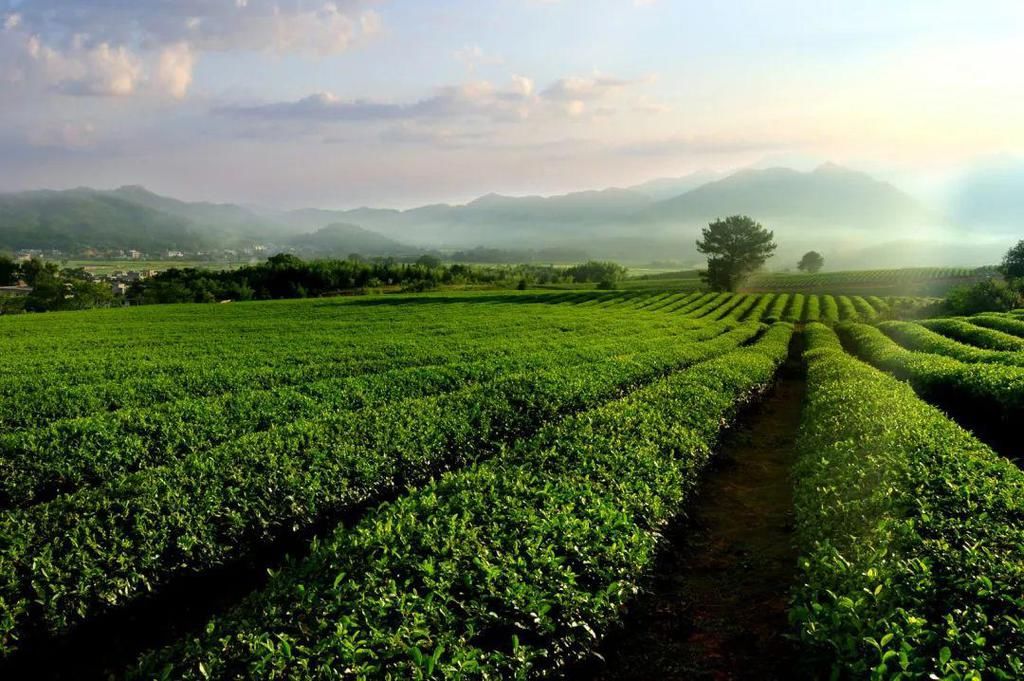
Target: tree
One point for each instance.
(736, 247)
(48, 289)
(83, 295)
(33, 270)
(285, 261)
(1013, 263)
(8, 271)
(990, 295)
(594, 270)
(812, 262)
(429, 261)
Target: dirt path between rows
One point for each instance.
(717, 605)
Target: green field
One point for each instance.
(108, 267)
(480, 485)
(913, 281)
(907, 282)
(923, 282)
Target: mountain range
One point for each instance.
(828, 208)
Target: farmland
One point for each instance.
(910, 281)
(502, 484)
(110, 266)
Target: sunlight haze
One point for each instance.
(348, 103)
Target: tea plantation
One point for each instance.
(479, 485)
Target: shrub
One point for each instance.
(986, 296)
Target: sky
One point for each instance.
(345, 103)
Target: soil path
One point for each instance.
(717, 605)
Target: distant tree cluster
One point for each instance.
(605, 273)
(288, 276)
(992, 295)
(9, 271)
(1013, 266)
(53, 288)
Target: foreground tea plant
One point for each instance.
(999, 388)
(911, 530)
(921, 339)
(139, 530)
(963, 330)
(510, 568)
(1000, 322)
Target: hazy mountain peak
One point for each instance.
(135, 188)
(831, 167)
(490, 198)
(667, 187)
(342, 238)
(828, 197)
(834, 169)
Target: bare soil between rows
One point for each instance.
(717, 601)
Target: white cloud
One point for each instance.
(579, 89)
(370, 23)
(478, 99)
(523, 84)
(100, 70)
(119, 48)
(174, 69)
(326, 30)
(106, 70)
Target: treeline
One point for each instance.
(287, 276)
(992, 295)
(52, 288)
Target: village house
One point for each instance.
(18, 291)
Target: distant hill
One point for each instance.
(341, 239)
(492, 220)
(312, 219)
(824, 199)
(73, 220)
(223, 220)
(670, 187)
(586, 206)
(130, 217)
(831, 209)
(632, 224)
(495, 221)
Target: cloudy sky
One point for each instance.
(398, 102)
